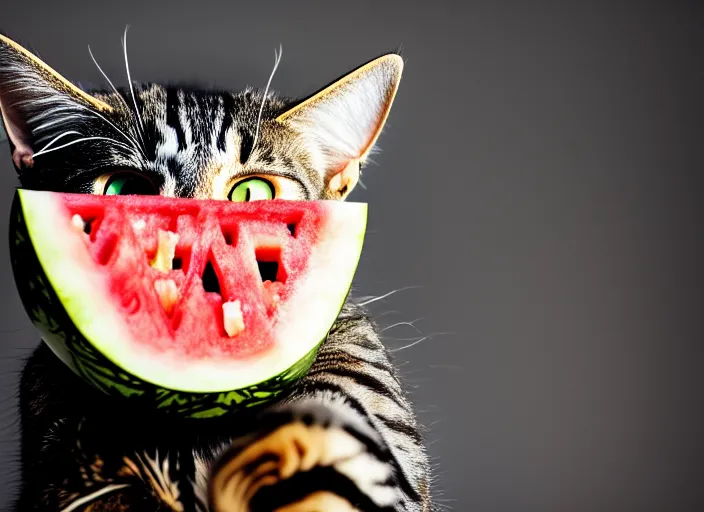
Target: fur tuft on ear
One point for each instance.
(344, 119)
(35, 100)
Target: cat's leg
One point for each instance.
(348, 439)
(80, 452)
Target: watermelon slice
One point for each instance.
(202, 306)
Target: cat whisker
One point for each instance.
(72, 107)
(84, 139)
(137, 146)
(48, 124)
(419, 340)
(65, 107)
(386, 313)
(53, 112)
(117, 93)
(277, 60)
(381, 297)
(409, 324)
(140, 126)
(93, 496)
(57, 138)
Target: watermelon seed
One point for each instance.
(167, 291)
(232, 318)
(177, 264)
(166, 249)
(77, 222)
(292, 229)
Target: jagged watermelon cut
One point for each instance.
(202, 306)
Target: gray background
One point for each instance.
(539, 184)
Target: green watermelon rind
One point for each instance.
(48, 313)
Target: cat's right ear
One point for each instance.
(34, 99)
(344, 120)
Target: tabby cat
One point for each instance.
(346, 437)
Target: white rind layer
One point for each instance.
(78, 281)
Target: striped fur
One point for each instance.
(345, 438)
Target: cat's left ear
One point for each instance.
(35, 100)
(344, 119)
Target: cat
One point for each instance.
(346, 437)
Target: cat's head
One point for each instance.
(154, 139)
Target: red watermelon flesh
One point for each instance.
(215, 263)
(198, 295)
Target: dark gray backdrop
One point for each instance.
(539, 184)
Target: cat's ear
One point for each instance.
(33, 98)
(344, 119)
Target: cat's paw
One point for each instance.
(306, 457)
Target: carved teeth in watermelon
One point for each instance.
(201, 305)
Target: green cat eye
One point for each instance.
(128, 184)
(253, 189)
